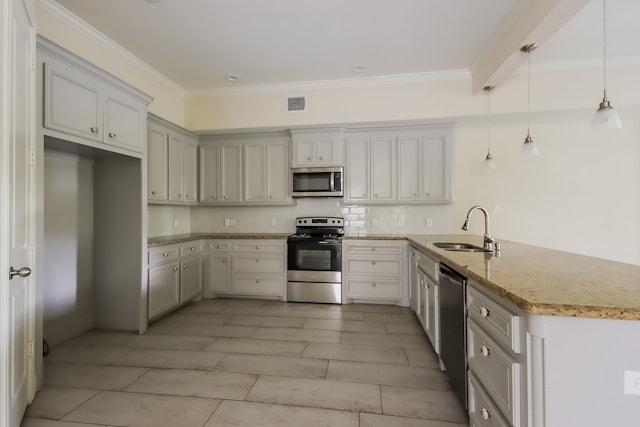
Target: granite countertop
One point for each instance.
(546, 281)
(538, 280)
(181, 238)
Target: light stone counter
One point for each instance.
(181, 238)
(545, 281)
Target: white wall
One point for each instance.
(68, 246)
(161, 220)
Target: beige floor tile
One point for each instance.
(373, 308)
(179, 382)
(317, 394)
(390, 317)
(387, 340)
(169, 342)
(376, 373)
(292, 334)
(85, 355)
(214, 330)
(426, 359)
(258, 346)
(101, 339)
(374, 420)
(358, 353)
(434, 405)
(39, 422)
(56, 402)
(179, 359)
(408, 328)
(273, 365)
(345, 325)
(204, 318)
(144, 410)
(305, 305)
(327, 314)
(265, 321)
(274, 311)
(234, 414)
(90, 376)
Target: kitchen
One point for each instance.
(536, 202)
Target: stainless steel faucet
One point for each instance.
(489, 242)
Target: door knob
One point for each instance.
(23, 272)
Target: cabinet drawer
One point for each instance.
(371, 266)
(163, 254)
(373, 288)
(482, 411)
(258, 284)
(500, 323)
(428, 265)
(371, 247)
(496, 370)
(258, 264)
(259, 246)
(219, 245)
(194, 248)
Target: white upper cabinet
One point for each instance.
(400, 165)
(173, 162)
(245, 169)
(83, 103)
(317, 147)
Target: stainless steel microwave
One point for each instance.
(317, 182)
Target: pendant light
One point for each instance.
(529, 148)
(605, 117)
(489, 163)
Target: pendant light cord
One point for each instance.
(604, 45)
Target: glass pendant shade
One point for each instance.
(489, 163)
(529, 148)
(606, 117)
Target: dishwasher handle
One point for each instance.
(452, 275)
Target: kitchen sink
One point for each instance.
(460, 247)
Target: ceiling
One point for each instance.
(198, 43)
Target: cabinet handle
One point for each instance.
(186, 195)
(94, 130)
(427, 194)
(260, 196)
(257, 280)
(165, 254)
(373, 249)
(373, 263)
(185, 266)
(175, 268)
(153, 192)
(257, 247)
(193, 249)
(224, 197)
(364, 195)
(484, 350)
(214, 197)
(270, 196)
(374, 284)
(309, 158)
(257, 259)
(320, 158)
(112, 135)
(484, 412)
(219, 246)
(224, 260)
(484, 311)
(375, 194)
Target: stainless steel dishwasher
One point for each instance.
(453, 331)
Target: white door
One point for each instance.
(17, 212)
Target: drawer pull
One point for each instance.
(175, 268)
(257, 259)
(224, 260)
(165, 254)
(484, 350)
(154, 192)
(94, 130)
(373, 263)
(374, 284)
(484, 311)
(193, 249)
(185, 266)
(373, 249)
(258, 281)
(485, 414)
(219, 246)
(112, 135)
(257, 247)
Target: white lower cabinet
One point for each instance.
(497, 364)
(246, 267)
(174, 277)
(427, 305)
(375, 270)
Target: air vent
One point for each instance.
(297, 103)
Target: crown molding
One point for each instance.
(68, 18)
(395, 79)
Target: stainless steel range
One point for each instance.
(314, 256)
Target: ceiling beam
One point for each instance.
(533, 21)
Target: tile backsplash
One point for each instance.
(360, 220)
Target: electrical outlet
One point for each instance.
(374, 222)
(428, 222)
(401, 222)
(273, 222)
(176, 223)
(632, 382)
(227, 222)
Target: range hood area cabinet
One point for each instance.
(408, 165)
(249, 169)
(317, 147)
(172, 163)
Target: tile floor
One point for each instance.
(235, 362)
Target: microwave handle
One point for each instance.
(332, 181)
